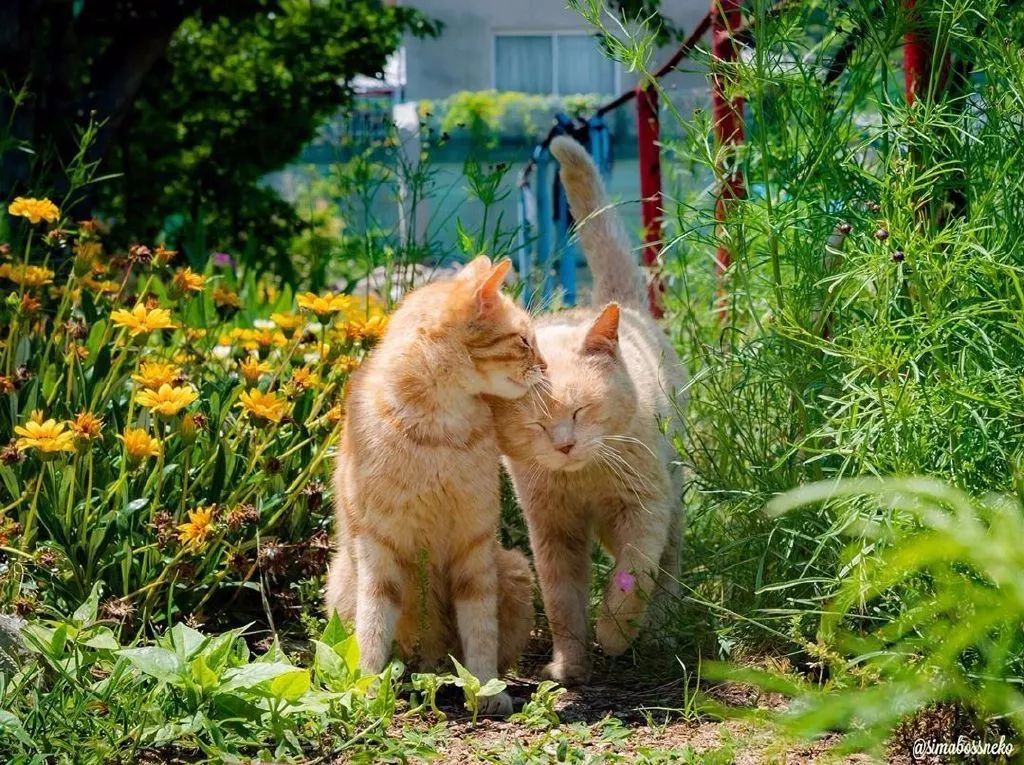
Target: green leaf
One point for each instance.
(156, 662)
(466, 679)
(290, 686)
(330, 668)
(85, 614)
(492, 687)
(10, 724)
(466, 242)
(103, 639)
(186, 641)
(252, 675)
(348, 650)
(335, 631)
(219, 472)
(204, 676)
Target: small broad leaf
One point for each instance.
(204, 676)
(335, 631)
(251, 675)
(156, 662)
(274, 655)
(186, 641)
(492, 687)
(85, 614)
(10, 724)
(103, 640)
(466, 680)
(290, 686)
(137, 504)
(348, 650)
(330, 668)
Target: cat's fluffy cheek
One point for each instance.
(503, 385)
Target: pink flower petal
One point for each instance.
(624, 580)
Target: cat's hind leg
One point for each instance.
(378, 600)
(515, 606)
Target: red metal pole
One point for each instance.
(917, 55)
(728, 116)
(648, 128)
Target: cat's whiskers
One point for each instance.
(631, 477)
(631, 439)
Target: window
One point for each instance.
(552, 63)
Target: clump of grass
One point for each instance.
(956, 646)
(872, 314)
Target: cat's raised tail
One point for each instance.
(617, 277)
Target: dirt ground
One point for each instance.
(651, 722)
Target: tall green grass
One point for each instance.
(895, 349)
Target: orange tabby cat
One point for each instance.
(417, 486)
(590, 457)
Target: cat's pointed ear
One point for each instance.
(603, 335)
(488, 294)
(475, 269)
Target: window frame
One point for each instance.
(552, 36)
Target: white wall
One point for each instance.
(462, 58)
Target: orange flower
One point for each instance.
(168, 400)
(139, 445)
(324, 305)
(225, 298)
(267, 407)
(141, 320)
(86, 426)
(153, 374)
(48, 437)
(193, 535)
(35, 210)
(26, 276)
(186, 280)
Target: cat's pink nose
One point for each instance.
(566, 448)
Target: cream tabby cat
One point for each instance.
(417, 483)
(591, 456)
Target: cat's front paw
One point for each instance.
(498, 705)
(567, 673)
(614, 636)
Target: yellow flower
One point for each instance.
(86, 426)
(163, 256)
(364, 329)
(225, 298)
(336, 413)
(304, 377)
(187, 280)
(264, 406)
(194, 534)
(139, 320)
(168, 400)
(49, 437)
(89, 252)
(347, 364)
(26, 276)
(36, 210)
(252, 369)
(138, 444)
(153, 374)
(288, 322)
(90, 282)
(323, 305)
